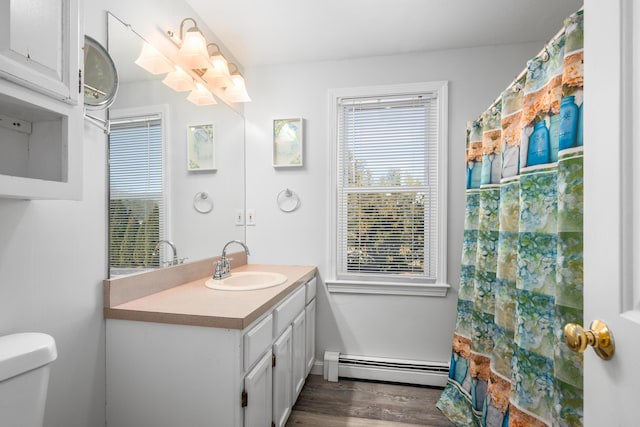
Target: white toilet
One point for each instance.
(24, 376)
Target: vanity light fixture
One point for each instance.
(218, 74)
(203, 72)
(193, 46)
(153, 61)
(179, 80)
(201, 96)
(237, 92)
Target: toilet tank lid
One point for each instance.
(23, 352)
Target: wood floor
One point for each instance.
(355, 403)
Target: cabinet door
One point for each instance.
(40, 46)
(299, 360)
(282, 396)
(310, 320)
(257, 385)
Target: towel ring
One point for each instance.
(202, 203)
(288, 200)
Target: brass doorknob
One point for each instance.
(598, 336)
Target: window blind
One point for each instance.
(388, 187)
(136, 192)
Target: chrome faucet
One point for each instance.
(223, 269)
(174, 260)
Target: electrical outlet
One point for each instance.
(251, 217)
(239, 217)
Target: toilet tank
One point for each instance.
(24, 377)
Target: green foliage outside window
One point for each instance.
(134, 233)
(385, 229)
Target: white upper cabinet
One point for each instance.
(40, 46)
(40, 114)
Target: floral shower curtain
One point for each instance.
(521, 278)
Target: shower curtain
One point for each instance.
(521, 278)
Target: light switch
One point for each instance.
(239, 217)
(251, 217)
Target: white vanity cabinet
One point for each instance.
(41, 120)
(167, 375)
(40, 46)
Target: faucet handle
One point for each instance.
(217, 275)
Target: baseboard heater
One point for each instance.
(384, 369)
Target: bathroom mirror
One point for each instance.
(167, 198)
(100, 76)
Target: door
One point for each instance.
(40, 46)
(611, 215)
(282, 379)
(310, 349)
(257, 385)
(299, 361)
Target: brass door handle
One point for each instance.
(598, 336)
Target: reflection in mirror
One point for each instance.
(155, 217)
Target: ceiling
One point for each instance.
(267, 32)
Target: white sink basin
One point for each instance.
(247, 281)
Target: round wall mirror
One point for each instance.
(100, 76)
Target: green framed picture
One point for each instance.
(287, 142)
(201, 153)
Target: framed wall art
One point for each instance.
(201, 153)
(287, 142)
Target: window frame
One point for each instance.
(368, 285)
(162, 111)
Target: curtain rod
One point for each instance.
(524, 72)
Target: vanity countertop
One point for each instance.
(192, 303)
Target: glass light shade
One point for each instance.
(236, 94)
(179, 80)
(238, 80)
(218, 74)
(153, 61)
(193, 51)
(201, 96)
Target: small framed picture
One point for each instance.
(201, 153)
(287, 142)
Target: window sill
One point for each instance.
(387, 288)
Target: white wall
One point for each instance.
(52, 263)
(387, 326)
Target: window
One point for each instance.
(389, 181)
(136, 193)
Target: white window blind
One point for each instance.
(387, 187)
(136, 192)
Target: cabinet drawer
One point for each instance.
(311, 290)
(284, 313)
(257, 340)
